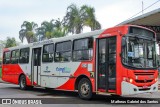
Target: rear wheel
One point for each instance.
(85, 89)
(22, 82)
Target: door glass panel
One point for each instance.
(112, 64)
(107, 63)
(37, 57)
(102, 63)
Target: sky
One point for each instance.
(108, 12)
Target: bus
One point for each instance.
(116, 61)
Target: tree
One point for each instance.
(90, 19)
(28, 31)
(40, 32)
(73, 22)
(52, 29)
(76, 18)
(59, 30)
(47, 28)
(73, 19)
(10, 42)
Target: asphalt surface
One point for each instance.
(69, 99)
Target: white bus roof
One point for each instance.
(61, 39)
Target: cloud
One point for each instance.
(111, 15)
(14, 13)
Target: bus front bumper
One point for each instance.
(130, 89)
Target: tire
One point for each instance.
(22, 82)
(85, 89)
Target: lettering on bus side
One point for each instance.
(63, 69)
(105, 35)
(47, 71)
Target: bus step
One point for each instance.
(104, 93)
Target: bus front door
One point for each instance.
(36, 69)
(106, 64)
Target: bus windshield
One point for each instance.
(138, 52)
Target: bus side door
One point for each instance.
(36, 71)
(106, 64)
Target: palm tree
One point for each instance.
(47, 29)
(76, 18)
(90, 19)
(51, 29)
(28, 31)
(40, 32)
(59, 30)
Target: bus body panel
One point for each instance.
(63, 75)
(13, 73)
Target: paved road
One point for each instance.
(62, 97)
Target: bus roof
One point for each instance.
(70, 37)
(60, 39)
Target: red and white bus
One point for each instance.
(119, 61)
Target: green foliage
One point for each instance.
(52, 29)
(76, 18)
(10, 42)
(28, 31)
(90, 19)
(74, 21)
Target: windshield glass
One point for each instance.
(138, 52)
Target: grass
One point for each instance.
(0, 72)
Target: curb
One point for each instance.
(1, 81)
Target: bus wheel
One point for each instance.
(22, 82)
(85, 89)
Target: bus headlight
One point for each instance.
(127, 79)
(130, 80)
(156, 79)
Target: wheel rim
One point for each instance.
(23, 82)
(85, 89)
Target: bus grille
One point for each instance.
(143, 73)
(145, 89)
(143, 81)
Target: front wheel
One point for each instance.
(22, 82)
(85, 89)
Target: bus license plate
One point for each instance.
(145, 87)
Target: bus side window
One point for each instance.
(6, 58)
(14, 56)
(83, 49)
(24, 55)
(63, 51)
(48, 51)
